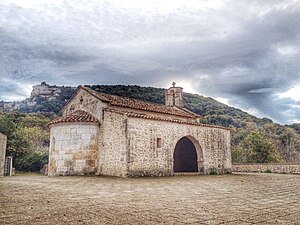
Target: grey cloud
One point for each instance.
(10, 89)
(229, 52)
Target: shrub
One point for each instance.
(213, 171)
(31, 161)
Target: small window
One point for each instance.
(158, 142)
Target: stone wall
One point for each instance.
(146, 159)
(87, 102)
(127, 146)
(113, 145)
(73, 149)
(3, 140)
(267, 168)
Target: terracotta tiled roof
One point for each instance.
(77, 116)
(139, 104)
(144, 116)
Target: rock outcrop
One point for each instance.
(45, 90)
(43, 98)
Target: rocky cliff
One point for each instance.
(44, 98)
(46, 91)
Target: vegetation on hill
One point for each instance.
(253, 139)
(296, 126)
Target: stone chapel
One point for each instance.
(110, 135)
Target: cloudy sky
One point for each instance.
(244, 53)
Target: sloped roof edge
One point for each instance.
(80, 116)
(144, 116)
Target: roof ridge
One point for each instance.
(93, 92)
(124, 97)
(187, 110)
(140, 104)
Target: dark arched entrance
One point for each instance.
(185, 156)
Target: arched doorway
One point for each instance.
(185, 156)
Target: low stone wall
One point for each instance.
(292, 168)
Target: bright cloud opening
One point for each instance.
(223, 100)
(287, 50)
(293, 93)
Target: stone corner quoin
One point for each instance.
(3, 140)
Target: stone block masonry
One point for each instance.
(148, 159)
(113, 146)
(3, 140)
(73, 149)
(293, 168)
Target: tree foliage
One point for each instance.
(31, 161)
(259, 149)
(27, 135)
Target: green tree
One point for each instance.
(8, 127)
(260, 150)
(237, 154)
(28, 139)
(33, 121)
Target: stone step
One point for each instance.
(187, 174)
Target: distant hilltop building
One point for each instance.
(105, 134)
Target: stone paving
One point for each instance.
(225, 199)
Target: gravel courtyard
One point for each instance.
(226, 199)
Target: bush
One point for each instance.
(31, 161)
(213, 171)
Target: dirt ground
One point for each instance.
(226, 199)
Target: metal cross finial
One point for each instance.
(173, 84)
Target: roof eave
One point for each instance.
(50, 125)
(188, 111)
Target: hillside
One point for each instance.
(253, 139)
(44, 99)
(49, 100)
(212, 111)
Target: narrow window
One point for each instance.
(81, 100)
(174, 99)
(158, 142)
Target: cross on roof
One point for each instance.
(173, 84)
